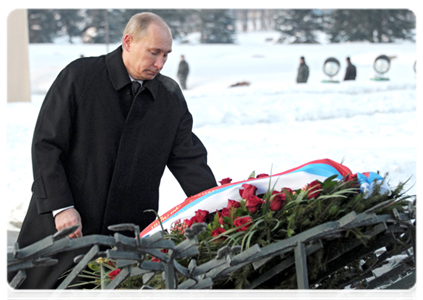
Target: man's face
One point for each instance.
(145, 58)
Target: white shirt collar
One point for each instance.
(132, 79)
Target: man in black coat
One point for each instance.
(303, 71)
(100, 147)
(351, 71)
(183, 70)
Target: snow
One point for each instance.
(271, 125)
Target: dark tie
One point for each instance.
(135, 87)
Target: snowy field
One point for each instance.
(271, 125)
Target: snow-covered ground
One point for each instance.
(269, 126)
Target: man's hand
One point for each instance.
(68, 218)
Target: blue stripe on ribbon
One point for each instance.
(372, 177)
(320, 169)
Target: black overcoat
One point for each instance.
(183, 69)
(351, 72)
(303, 73)
(100, 148)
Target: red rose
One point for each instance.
(233, 203)
(262, 175)
(247, 191)
(225, 181)
(200, 216)
(313, 189)
(188, 223)
(218, 231)
(287, 190)
(277, 202)
(253, 203)
(223, 213)
(240, 221)
(113, 274)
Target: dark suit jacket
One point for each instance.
(98, 147)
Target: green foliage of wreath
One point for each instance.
(302, 209)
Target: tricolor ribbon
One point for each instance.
(296, 178)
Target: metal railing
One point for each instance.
(395, 232)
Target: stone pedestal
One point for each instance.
(18, 87)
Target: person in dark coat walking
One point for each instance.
(183, 71)
(100, 147)
(303, 71)
(351, 71)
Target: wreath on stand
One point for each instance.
(345, 260)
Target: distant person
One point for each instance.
(303, 71)
(351, 71)
(183, 71)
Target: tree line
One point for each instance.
(221, 25)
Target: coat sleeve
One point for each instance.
(50, 146)
(188, 159)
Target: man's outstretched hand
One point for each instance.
(68, 218)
